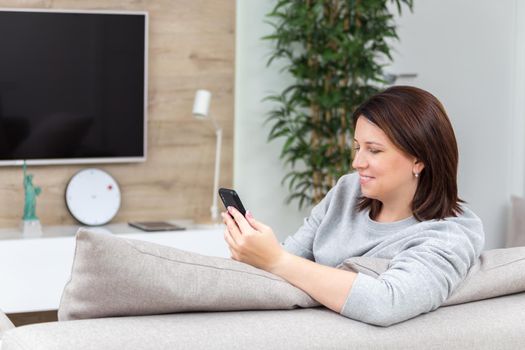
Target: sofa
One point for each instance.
(109, 304)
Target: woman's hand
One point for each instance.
(252, 242)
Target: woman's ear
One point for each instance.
(418, 166)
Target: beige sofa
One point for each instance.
(497, 323)
(119, 287)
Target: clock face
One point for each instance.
(93, 197)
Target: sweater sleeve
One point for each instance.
(301, 243)
(419, 279)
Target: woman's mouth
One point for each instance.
(363, 179)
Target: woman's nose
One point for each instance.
(359, 162)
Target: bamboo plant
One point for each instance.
(336, 52)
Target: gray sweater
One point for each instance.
(429, 259)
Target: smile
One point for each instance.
(364, 179)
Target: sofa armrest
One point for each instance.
(5, 323)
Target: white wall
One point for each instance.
(518, 110)
(258, 170)
(465, 52)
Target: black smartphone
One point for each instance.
(230, 198)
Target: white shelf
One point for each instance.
(70, 230)
(33, 271)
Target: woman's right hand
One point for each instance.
(251, 241)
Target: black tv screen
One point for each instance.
(73, 86)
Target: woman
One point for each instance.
(401, 204)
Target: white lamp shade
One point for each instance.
(201, 105)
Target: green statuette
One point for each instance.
(31, 192)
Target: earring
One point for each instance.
(416, 175)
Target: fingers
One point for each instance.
(229, 239)
(240, 220)
(254, 223)
(232, 227)
(259, 226)
(232, 246)
(232, 235)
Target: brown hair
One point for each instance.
(416, 123)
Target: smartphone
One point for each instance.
(230, 198)
(152, 226)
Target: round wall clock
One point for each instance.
(93, 197)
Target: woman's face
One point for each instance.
(386, 173)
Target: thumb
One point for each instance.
(254, 223)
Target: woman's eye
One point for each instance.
(371, 150)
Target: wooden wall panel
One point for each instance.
(191, 46)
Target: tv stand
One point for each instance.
(33, 271)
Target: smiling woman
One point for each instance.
(401, 204)
(418, 160)
(388, 176)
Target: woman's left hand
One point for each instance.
(250, 241)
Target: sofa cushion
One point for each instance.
(112, 276)
(497, 272)
(516, 230)
(489, 324)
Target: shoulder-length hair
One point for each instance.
(416, 123)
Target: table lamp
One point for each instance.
(201, 107)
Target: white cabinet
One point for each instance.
(33, 271)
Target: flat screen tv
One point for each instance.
(73, 86)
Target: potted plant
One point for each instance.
(336, 52)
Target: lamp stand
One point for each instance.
(214, 208)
